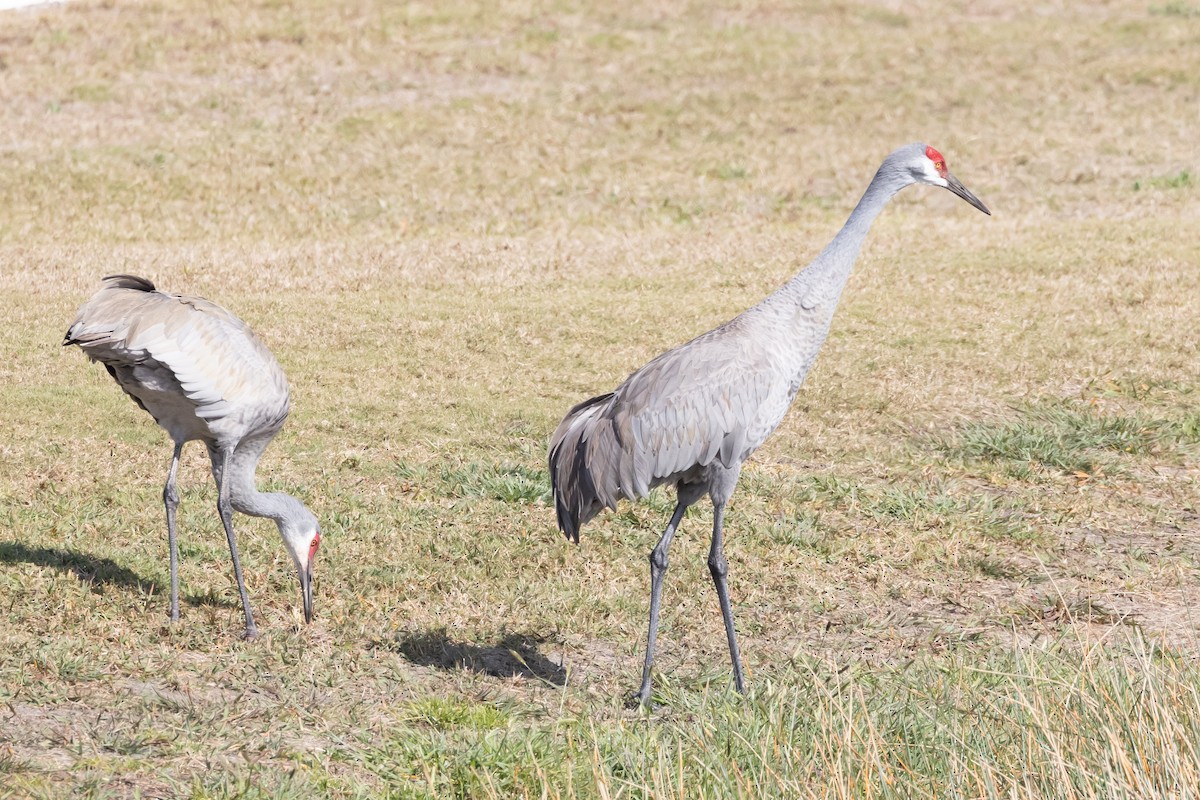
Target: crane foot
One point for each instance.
(639, 700)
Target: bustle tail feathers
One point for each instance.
(76, 335)
(576, 499)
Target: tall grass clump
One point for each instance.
(1023, 724)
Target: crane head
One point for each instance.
(302, 536)
(306, 578)
(932, 169)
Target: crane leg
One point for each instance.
(658, 568)
(225, 509)
(719, 567)
(171, 501)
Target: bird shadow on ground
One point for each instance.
(514, 655)
(95, 571)
(89, 569)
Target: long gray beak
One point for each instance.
(306, 586)
(955, 185)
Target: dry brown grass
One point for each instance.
(452, 223)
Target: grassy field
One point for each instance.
(966, 565)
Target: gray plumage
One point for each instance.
(694, 414)
(203, 375)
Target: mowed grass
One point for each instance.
(965, 566)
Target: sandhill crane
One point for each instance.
(694, 414)
(202, 374)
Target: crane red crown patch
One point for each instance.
(312, 548)
(939, 163)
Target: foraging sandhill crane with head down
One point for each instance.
(694, 414)
(202, 374)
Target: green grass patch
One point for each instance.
(508, 483)
(1073, 438)
(445, 713)
(1180, 180)
(1176, 9)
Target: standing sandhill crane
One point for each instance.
(692, 416)
(202, 374)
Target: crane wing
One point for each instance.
(687, 408)
(165, 350)
(714, 399)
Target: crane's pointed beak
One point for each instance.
(306, 587)
(955, 185)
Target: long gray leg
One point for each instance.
(658, 568)
(225, 509)
(171, 501)
(719, 568)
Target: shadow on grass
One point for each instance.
(514, 655)
(87, 568)
(95, 570)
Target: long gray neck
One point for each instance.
(245, 497)
(822, 281)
